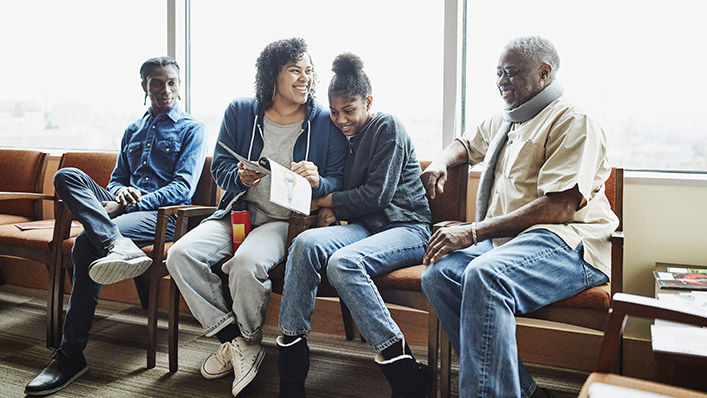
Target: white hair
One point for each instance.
(536, 49)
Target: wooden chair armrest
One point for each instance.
(617, 237)
(195, 211)
(298, 224)
(443, 224)
(651, 308)
(624, 305)
(187, 213)
(4, 195)
(172, 210)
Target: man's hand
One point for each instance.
(326, 217)
(433, 179)
(127, 196)
(249, 178)
(114, 209)
(447, 240)
(307, 170)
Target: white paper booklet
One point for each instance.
(287, 188)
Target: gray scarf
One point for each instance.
(523, 113)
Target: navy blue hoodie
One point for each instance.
(320, 142)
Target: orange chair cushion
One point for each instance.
(401, 279)
(596, 298)
(39, 239)
(12, 219)
(148, 249)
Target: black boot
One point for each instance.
(61, 370)
(407, 377)
(293, 366)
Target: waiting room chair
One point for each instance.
(622, 306)
(589, 308)
(147, 285)
(21, 183)
(40, 245)
(205, 195)
(99, 166)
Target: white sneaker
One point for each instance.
(246, 359)
(219, 363)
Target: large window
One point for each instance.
(400, 42)
(70, 70)
(632, 65)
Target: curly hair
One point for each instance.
(349, 78)
(271, 60)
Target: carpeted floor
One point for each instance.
(116, 358)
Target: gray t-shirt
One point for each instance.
(278, 143)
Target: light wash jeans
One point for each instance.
(83, 197)
(477, 291)
(190, 260)
(351, 256)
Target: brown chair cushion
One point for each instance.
(19, 171)
(39, 239)
(12, 219)
(596, 298)
(407, 278)
(148, 249)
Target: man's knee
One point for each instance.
(431, 279)
(65, 175)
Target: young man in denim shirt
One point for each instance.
(161, 159)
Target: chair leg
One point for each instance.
(142, 284)
(446, 365)
(432, 349)
(152, 313)
(55, 306)
(349, 327)
(173, 325)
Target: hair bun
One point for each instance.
(347, 63)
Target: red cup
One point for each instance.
(241, 227)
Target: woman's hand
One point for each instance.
(307, 170)
(248, 177)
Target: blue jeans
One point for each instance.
(351, 256)
(83, 197)
(477, 292)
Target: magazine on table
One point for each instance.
(287, 188)
(682, 278)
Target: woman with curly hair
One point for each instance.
(388, 226)
(284, 123)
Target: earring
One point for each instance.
(274, 91)
(179, 97)
(144, 100)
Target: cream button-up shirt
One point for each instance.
(554, 151)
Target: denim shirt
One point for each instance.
(161, 156)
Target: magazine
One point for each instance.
(681, 280)
(43, 224)
(287, 188)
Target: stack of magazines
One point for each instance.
(682, 278)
